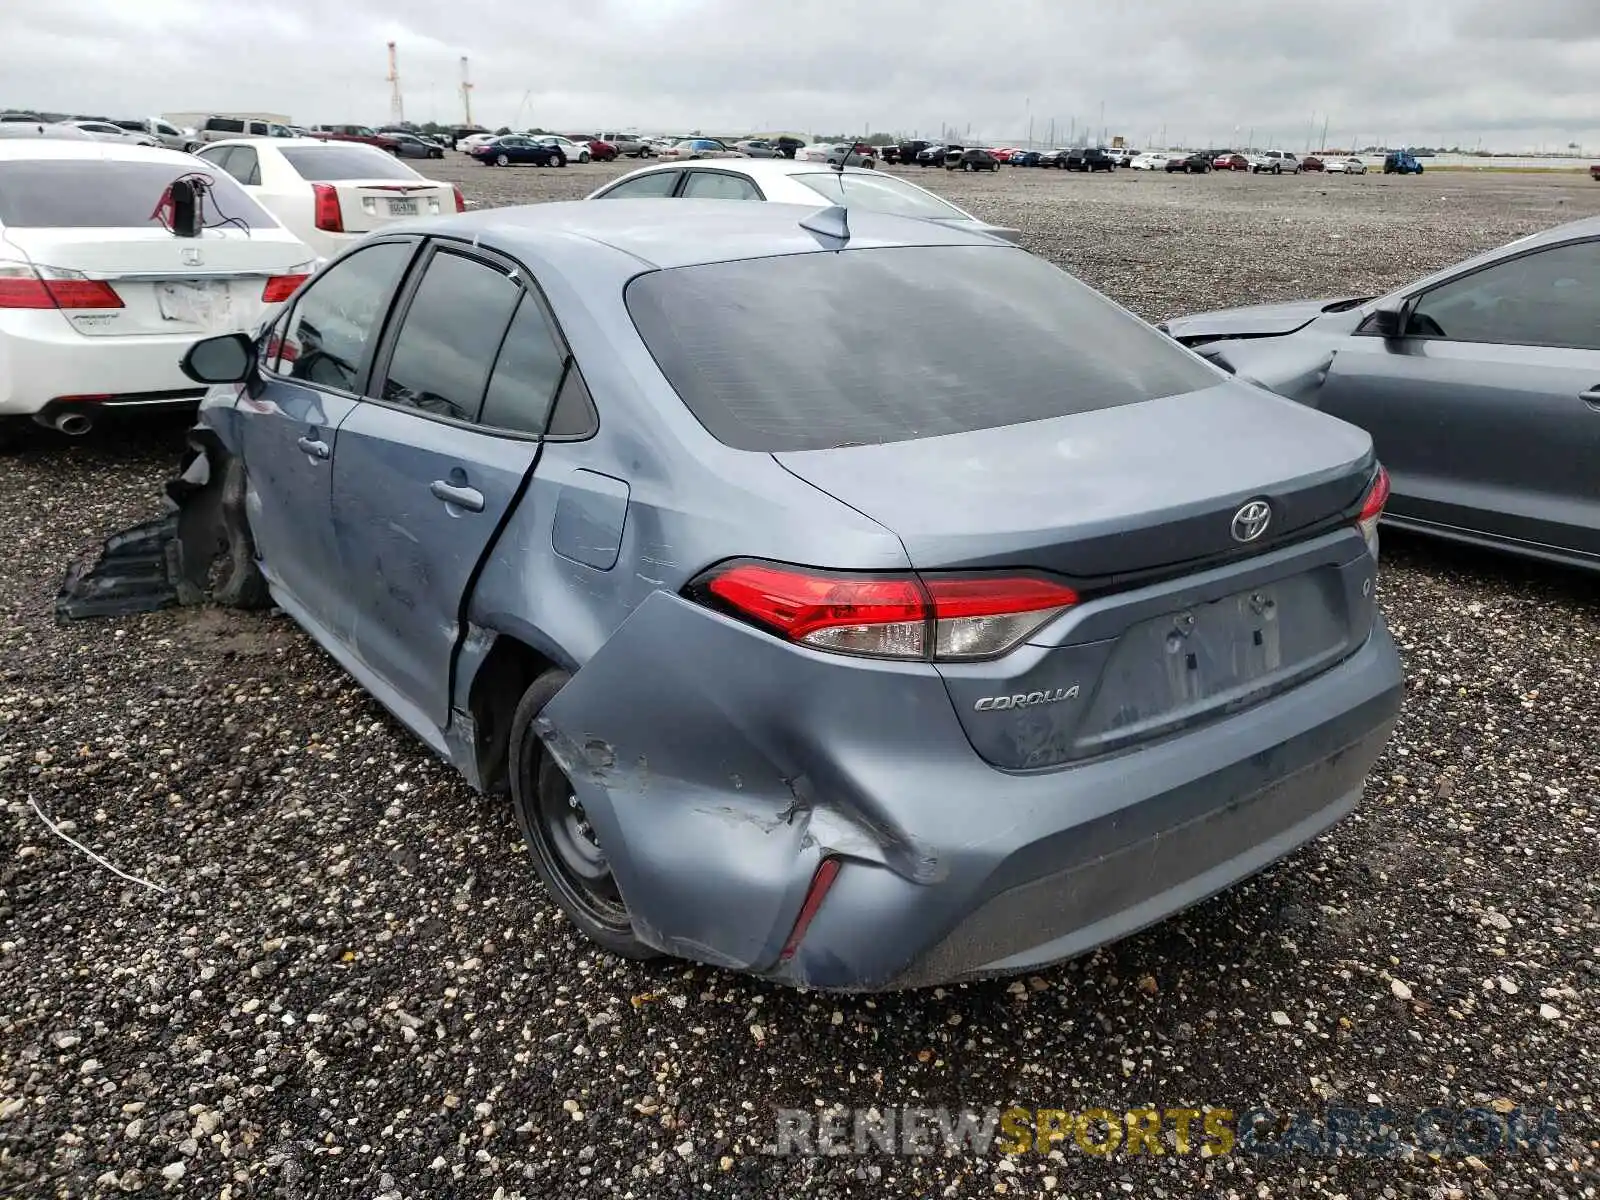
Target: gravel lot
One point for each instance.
(352, 985)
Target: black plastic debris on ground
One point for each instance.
(138, 570)
(156, 564)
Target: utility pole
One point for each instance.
(466, 90)
(397, 106)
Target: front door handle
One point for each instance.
(314, 447)
(470, 499)
(1591, 397)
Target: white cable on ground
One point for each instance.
(112, 867)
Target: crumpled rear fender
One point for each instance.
(719, 765)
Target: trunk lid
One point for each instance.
(167, 285)
(369, 204)
(1100, 496)
(1135, 505)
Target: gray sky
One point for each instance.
(1515, 74)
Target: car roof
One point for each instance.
(686, 232)
(71, 148)
(281, 142)
(756, 168)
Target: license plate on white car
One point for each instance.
(205, 303)
(403, 208)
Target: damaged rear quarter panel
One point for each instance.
(719, 764)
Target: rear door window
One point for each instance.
(243, 164)
(526, 374)
(449, 336)
(718, 185)
(789, 353)
(72, 194)
(338, 316)
(658, 183)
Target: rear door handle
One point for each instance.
(470, 499)
(1592, 396)
(314, 447)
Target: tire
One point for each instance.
(236, 581)
(502, 160)
(566, 856)
(1278, 169)
(583, 156)
(561, 160)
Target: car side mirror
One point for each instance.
(1388, 320)
(229, 358)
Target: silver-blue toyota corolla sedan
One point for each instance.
(862, 609)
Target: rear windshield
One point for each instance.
(101, 194)
(813, 351)
(333, 164)
(879, 193)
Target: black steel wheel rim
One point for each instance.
(573, 852)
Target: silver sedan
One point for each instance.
(794, 181)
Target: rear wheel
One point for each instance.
(583, 157)
(565, 850)
(502, 160)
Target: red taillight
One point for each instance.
(827, 871)
(941, 617)
(82, 293)
(18, 291)
(328, 217)
(23, 286)
(1372, 509)
(461, 201)
(280, 287)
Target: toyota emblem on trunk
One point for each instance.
(1251, 521)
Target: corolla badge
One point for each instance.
(1251, 521)
(192, 257)
(1027, 699)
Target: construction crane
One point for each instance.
(397, 107)
(466, 89)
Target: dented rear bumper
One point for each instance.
(720, 766)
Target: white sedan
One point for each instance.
(330, 194)
(105, 131)
(577, 152)
(1345, 166)
(466, 144)
(793, 181)
(1149, 162)
(103, 287)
